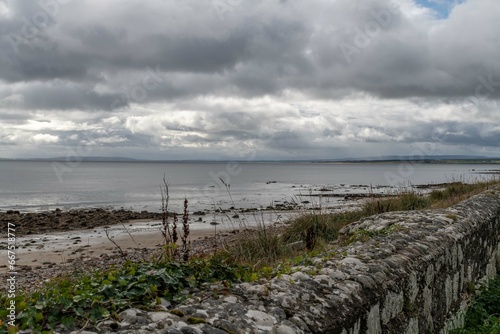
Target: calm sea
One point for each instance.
(34, 186)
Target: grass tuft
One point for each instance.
(406, 201)
(260, 247)
(456, 192)
(313, 228)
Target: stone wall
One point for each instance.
(410, 272)
(433, 264)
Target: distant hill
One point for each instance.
(423, 158)
(73, 158)
(386, 158)
(97, 159)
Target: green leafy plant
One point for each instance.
(483, 316)
(76, 302)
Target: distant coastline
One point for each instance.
(431, 159)
(421, 161)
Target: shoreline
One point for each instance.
(56, 236)
(40, 257)
(54, 243)
(64, 247)
(53, 220)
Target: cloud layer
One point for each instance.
(288, 79)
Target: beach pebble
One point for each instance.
(172, 331)
(261, 318)
(190, 330)
(231, 299)
(162, 317)
(283, 329)
(212, 330)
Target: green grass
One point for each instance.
(315, 229)
(406, 201)
(483, 317)
(452, 194)
(456, 192)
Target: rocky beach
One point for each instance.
(58, 220)
(53, 243)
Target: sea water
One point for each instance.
(42, 185)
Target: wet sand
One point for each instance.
(40, 257)
(62, 247)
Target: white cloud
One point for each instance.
(4, 10)
(113, 139)
(45, 138)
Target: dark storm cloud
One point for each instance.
(319, 47)
(14, 118)
(479, 134)
(66, 97)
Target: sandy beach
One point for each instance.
(66, 247)
(69, 249)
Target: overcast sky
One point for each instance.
(241, 79)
